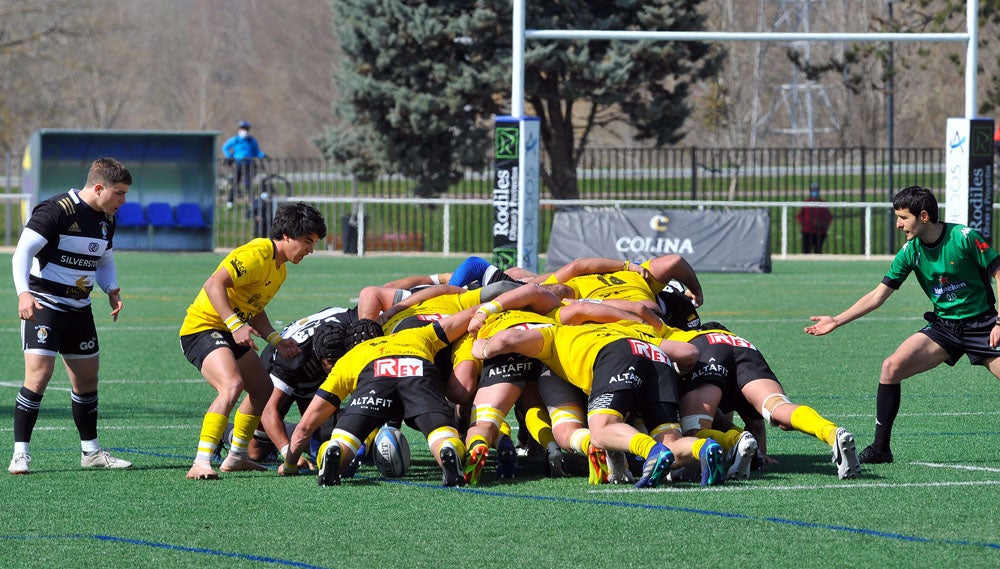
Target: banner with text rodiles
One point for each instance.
(711, 241)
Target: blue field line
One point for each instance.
(712, 513)
(156, 545)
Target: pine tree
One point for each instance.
(421, 82)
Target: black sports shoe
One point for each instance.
(451, 466)
(872, 455)
(329, 471)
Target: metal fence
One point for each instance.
(851, 179)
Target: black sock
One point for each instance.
(25, 414)
(85, 414)
(886, 408)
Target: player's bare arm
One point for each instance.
(864, 305)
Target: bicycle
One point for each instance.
(264, 181)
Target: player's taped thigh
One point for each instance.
(772, 402)
(696, 422)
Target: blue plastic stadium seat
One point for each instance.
(130, 215)
(188, 214)
(160, 214)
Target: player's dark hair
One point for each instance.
(917, 199)
(108, 172)
(297, 219)
(363, 329)
(329, 340)
(713, 325)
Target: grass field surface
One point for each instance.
(936, 506)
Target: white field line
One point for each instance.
(194, 426)
(743, 487)
(64, 386)
(748, 317)
(957, 466)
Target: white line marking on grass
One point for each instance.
(750, 487)
(957, 466)
(114, 382)
(192, 426)
(154, 381)
(20, 384)
(955, 414)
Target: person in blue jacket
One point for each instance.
(242, 150)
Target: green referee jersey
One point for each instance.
(954, 272)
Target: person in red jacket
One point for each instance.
(814, 221)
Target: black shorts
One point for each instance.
(730, 363)
(635, 376)
(514, 369)
(197, 346)
(382, 398)
(970, 336)
(71, 333)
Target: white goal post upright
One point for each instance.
(520, 35)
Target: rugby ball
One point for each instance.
(391, 452)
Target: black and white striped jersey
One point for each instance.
(63, 273)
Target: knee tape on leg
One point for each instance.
(695, 422)
(487, 414)
(663, 428)
(346, 440)
(772, 402)
(441, 434)
(571, 414)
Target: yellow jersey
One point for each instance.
(399, 354)
(435, 308)
(256, 279)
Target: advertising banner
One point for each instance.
(711, 241)
(969, 182)
(516, 180)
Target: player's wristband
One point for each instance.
(435, 278)
(626, 266)
(491, 307)
(273, 338)
(233, 323)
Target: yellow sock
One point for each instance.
(243, 428)
(504, 428)
(726, 440)
(579, 441)
(212, 427)
(477, 439)
(446, 434)
(696, 446)
(641, 444)
(370, 439)
(538, 423)
(806, 420)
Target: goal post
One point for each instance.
(528, 223)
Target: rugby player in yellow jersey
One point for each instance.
(389, 376)
(216, 335)
(621, 374)
(510, 378)
(732, 375)
(564, 402)
(656, 273)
